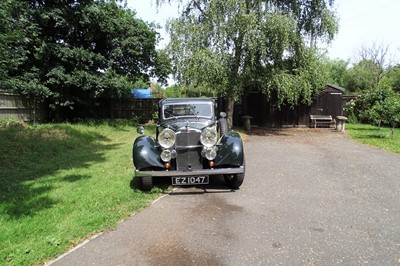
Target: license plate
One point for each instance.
(190, 180)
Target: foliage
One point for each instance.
(387, 111)
(62, 183)
(231, 45)
(157, 91)
(351, 111)
(374, 136)
(141, 84)
(362, 76)
(175, 91)
(72, 52)
(393, 78)
(178, 91)
(378, 106)
(17, 33)
(372, 65)
(364, 104)
(338, 73)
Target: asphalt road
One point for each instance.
(310, 197)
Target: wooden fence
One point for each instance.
(15, 105)
(141, 109)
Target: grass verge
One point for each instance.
(374, 136)
(61, 183)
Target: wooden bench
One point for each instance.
(323, 120)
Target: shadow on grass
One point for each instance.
(34, 154)
(75, 178)
(373, 136)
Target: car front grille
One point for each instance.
(188, 139)
(188, 151)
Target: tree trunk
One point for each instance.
(229, 111)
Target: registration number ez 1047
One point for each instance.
(190, 180)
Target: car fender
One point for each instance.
(230, 150)
(145, 153)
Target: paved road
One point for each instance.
(310, 197)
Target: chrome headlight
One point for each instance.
(167, 155)
(210, 153)
(166, 138)
(209, 137)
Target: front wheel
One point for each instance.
(146, 183)
(234, 181)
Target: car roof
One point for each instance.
(184, 100)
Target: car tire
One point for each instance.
(146, 183)
(234, 181)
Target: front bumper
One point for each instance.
(197, 172)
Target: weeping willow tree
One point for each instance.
(231, 45)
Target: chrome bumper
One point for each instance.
(197, 172)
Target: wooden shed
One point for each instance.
(265, 113)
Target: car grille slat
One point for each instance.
(188, 151)
(186, 139)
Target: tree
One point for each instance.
(388, 111)
(370, 68)
(368, 106)
(362, 76)
(174, 91)
(338, 72)
(378, 57)
(230, 45)
(78, 51)
(17, 32)
(393, 77)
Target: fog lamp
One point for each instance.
(166, 155)
(211, 153)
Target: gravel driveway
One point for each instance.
(310, 197)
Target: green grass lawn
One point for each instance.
(61, 183)
(374, 136)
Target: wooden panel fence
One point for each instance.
(15, 105)
(141, 109)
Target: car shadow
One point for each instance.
(216, 185)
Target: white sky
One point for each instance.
(361, 23)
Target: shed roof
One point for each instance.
(336, 87)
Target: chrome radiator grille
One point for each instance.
(188, 153)
(187, 139)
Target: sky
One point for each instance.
(361, 23)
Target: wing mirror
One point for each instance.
(140, 130)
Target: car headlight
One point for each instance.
(166, 155)
(166, 138)
(210, 153)
(209, 137)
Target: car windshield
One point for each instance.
(192, 109)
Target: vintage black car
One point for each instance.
(191, 146)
